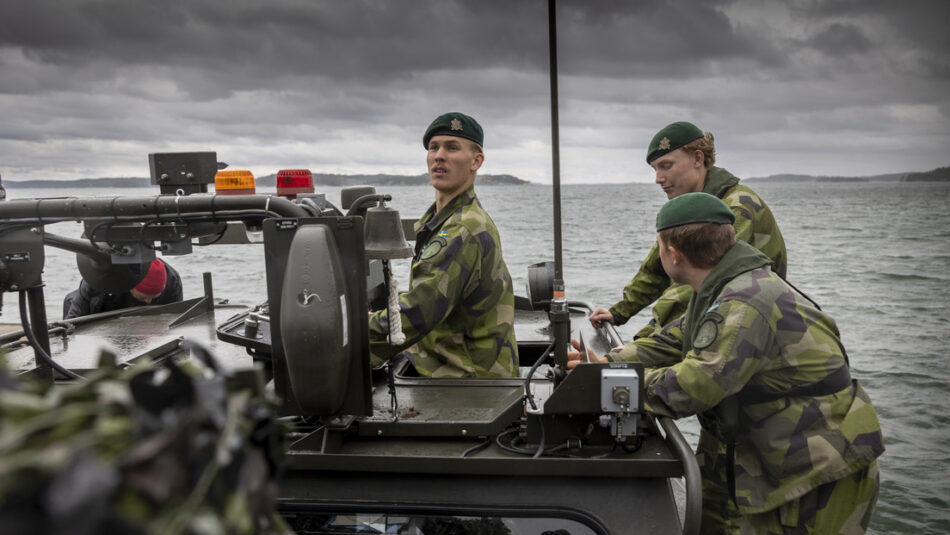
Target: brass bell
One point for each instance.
(383, 237)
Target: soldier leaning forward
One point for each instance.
(683, 157)
(458, 314)
(789, 442)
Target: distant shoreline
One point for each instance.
(940, 174)
(324, 179)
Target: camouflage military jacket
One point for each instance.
(754, 224)
(458, 314)
(747, 328)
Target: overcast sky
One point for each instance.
(89, 87)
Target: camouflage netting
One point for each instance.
(148, 449)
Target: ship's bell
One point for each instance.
(382, 234)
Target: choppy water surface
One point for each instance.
(876, 256)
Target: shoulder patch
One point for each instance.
(706, 334)
(433, 248)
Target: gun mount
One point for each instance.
(530, 452)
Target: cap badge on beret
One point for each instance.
(672, 137)
(457, 125)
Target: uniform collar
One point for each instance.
(431, 220)
(740, 259)
(718, 181)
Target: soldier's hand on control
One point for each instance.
(599, 316)
(574, 357)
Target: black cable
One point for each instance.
(527, 381)
(145, 225)
(199, 217)
(540, 449)
(511, 448)
(638, 441)
(477, 448)
(216, 239)
(92, 232)
(28, 331)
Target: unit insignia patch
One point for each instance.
(708, 331)
(433, 248)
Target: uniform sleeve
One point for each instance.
(744, 222)
(439, 279)
(756, 226)
(729, 348)
(654, 346)
(644, 288)
(75, 304)
(81, 302)
(173, 291)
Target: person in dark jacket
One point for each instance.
(161, 285)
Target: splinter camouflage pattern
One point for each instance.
(754, 224)
(458, 315)
(746, 326)
(842, 506)
(153, 448)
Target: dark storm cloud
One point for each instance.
(350, 84)
(248, 45)
(918, 28)
(655, 38)
(840, 40)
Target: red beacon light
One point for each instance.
(234, 182)
(292, 182)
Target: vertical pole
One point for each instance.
(209, 291)
(40, 327)
(559, 314)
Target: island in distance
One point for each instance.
(940, 174)
(319, 179)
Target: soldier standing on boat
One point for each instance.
(160, 285)
(458, 314)
(764, 369)
(684, 157)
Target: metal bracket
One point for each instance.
(203, 305)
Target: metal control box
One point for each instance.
(619, 390)
(184, 172)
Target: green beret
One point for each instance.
(672, 137)
(454, 124)
(693, 208)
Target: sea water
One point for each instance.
(874, 255)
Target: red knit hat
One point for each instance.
(154, 281)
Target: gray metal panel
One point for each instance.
(615, 505)
(131, 335)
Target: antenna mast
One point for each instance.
(559, 314)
